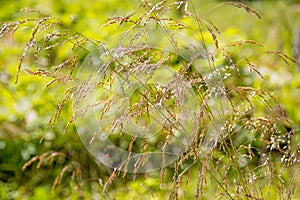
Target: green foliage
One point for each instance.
(256, 151)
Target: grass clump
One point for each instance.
(165, 95)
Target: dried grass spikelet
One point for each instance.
(247, 8)
(31, 42)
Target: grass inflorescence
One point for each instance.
(238, 143)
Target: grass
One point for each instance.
(163, 94)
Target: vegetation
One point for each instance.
(152, 99)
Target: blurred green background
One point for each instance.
(26, 107)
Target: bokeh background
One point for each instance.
(27, 107)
